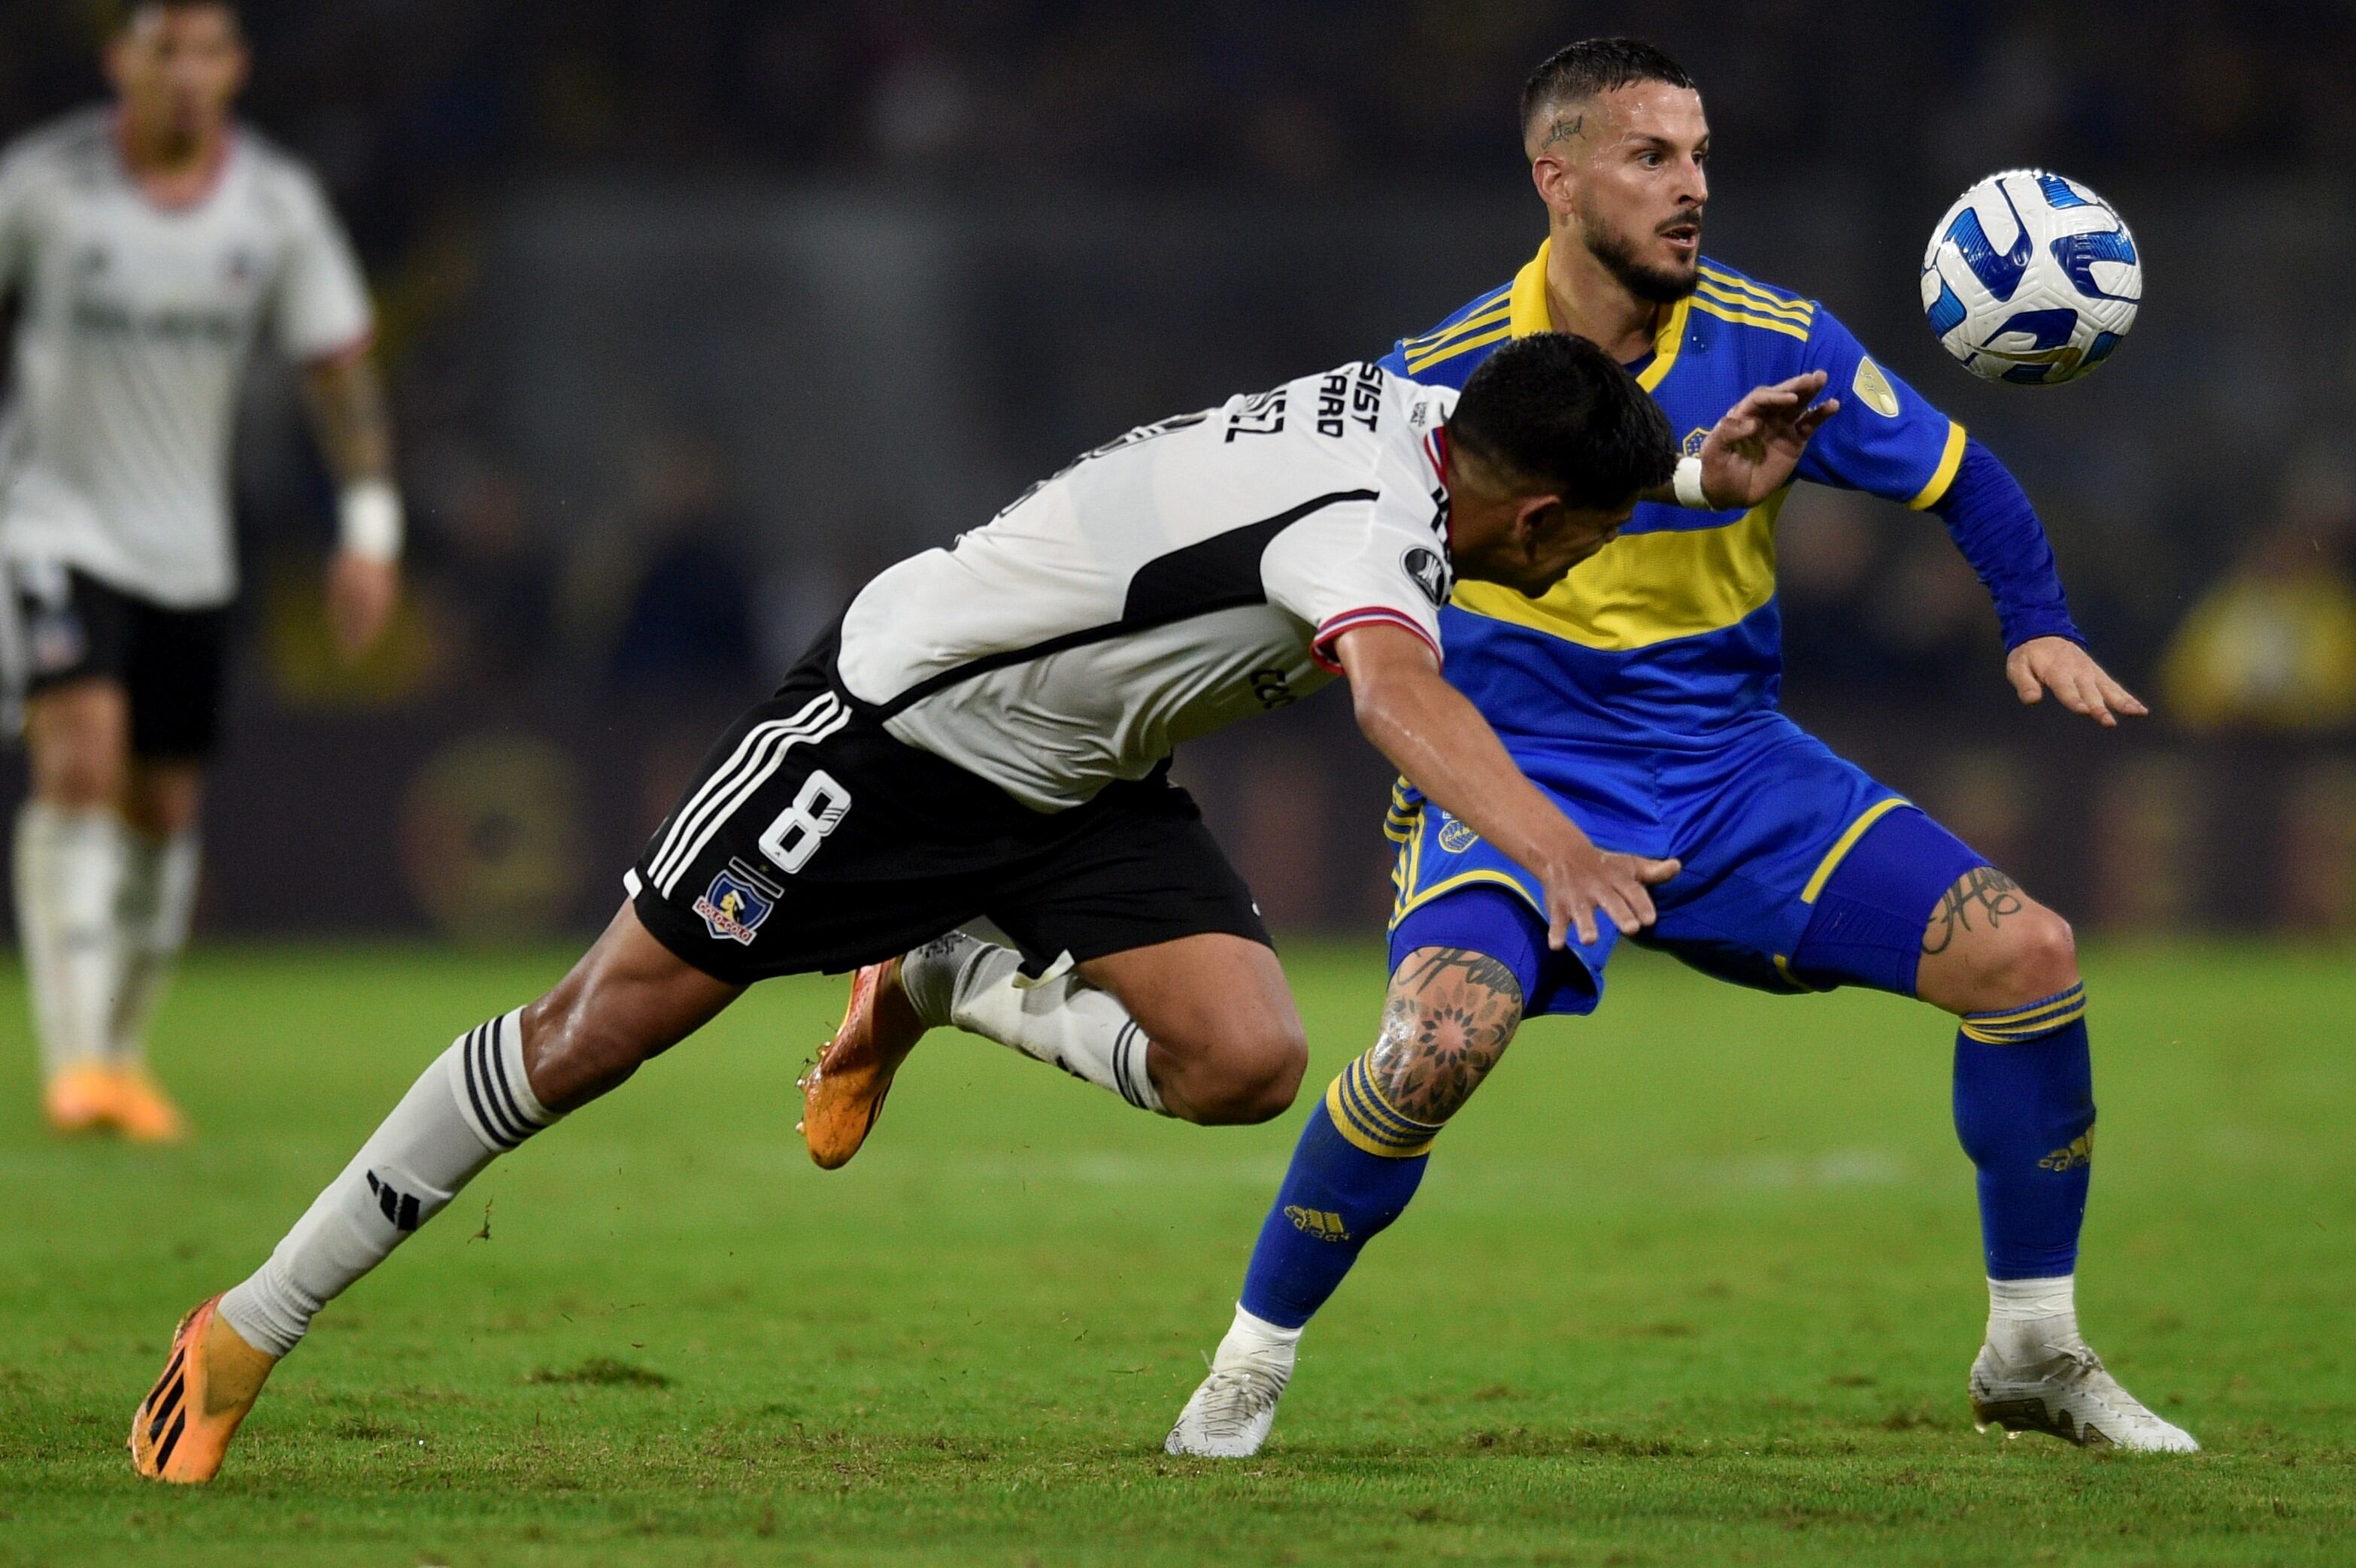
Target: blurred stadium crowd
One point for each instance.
(696, 313)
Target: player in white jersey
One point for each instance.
(985, 734)
(148, 246)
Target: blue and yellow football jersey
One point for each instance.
(1639, 692)
(1671, 636)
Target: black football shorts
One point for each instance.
(173, 663)
(811, 839)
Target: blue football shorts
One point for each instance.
(1801, 873)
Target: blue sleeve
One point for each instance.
(1989, 516)
(1886, 440)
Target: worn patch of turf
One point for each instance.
(1697, 1280)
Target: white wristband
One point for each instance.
(368, 519)
(1688, 483)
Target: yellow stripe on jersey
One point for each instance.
(1746, 318)
(1643, 588)
(1767, 297)
(1528, 298)
(1944, 474)
(1417, 364)
(1487, 314)
(1739, 301)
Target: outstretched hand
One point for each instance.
(2057, 665)
(1751, 452)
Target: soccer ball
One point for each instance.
(2030, 278)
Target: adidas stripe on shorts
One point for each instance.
(811, 839)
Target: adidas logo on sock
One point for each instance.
(401, 1210)
(1322, 1223)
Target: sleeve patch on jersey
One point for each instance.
(1873, 389)
(1428, 573)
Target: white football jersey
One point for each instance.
(1182, 577)
(135, 323)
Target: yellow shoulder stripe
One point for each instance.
(1760, 292)
(1461, 346)
(1944, 475)
(1798, 315)
(1481, 315)
(1745, 318)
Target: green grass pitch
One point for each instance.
(1695, 1280)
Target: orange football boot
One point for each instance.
(142, 1109)
(843, 1094)
(81, 1099)
(182, 1428)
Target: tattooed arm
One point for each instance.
(1450, 1016)
(345, 397)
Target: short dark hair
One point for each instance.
(1591, 66)
(1554, 411)
(122, 13)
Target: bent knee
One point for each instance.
(1252, 1076)
(2037, 956)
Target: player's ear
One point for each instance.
(1550, 172)
(1533, 515)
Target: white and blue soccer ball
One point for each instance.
(2030, 278)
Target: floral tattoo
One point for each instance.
(1450, 1014)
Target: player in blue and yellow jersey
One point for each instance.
(1641, 693)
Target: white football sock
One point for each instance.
(2029, 1319)
(1064, 1022)
(151, 926)
(1256, 1337)
(68, 869)
(471, 1106)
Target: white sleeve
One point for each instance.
(321, 309)
(1358, 562)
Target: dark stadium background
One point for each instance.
(698, 313)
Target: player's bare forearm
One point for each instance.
(1443, 746)
(1447, 750)
(345, 397)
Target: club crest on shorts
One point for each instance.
(736, 903)
(1455, 837)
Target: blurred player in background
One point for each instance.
(1641, 694)
(147, 244)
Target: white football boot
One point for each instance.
(2066, 1392)
(1230, 1413)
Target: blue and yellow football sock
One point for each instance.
(1356, 1165)
(2025, 1113)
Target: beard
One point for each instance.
(1654, 285)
